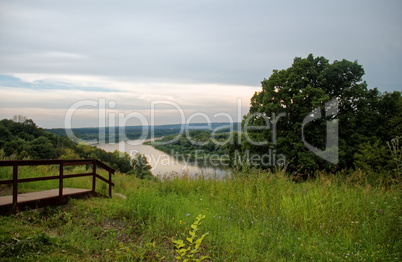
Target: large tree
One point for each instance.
(312, 105)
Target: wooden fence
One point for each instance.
(61, 163)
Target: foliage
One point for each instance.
(21, 140)
(190, 253)
(141, 167)
(41, 148)
(303, 90)
(374, 157)
(195, 144)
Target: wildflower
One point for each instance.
(380, 210)
(188, 214)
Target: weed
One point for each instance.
(396, 153)
(190, 252)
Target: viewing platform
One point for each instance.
(15, 202)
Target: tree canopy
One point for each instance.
(297, 106)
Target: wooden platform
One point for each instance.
(42, 198)
(18, 202)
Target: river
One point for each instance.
(164, 164)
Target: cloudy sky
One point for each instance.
(201, 56)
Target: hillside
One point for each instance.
(256, 216)
(21, 140)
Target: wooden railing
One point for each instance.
(61, 163)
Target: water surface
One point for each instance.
(164, 164)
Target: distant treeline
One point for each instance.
(117, 134)
(195, 144)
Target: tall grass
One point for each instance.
(254, 217)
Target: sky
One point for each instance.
(85, 63)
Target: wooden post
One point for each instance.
(15, 185)
(94, 177)
(61, 173)
(110, 183)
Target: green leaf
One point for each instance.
(200, 216)
(198, 241)
(178, 243)
(190, 240)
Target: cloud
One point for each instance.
(236, 42)
(201, 53)
(128, 97)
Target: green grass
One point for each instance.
(255, 217)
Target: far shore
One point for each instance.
(93, 143)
